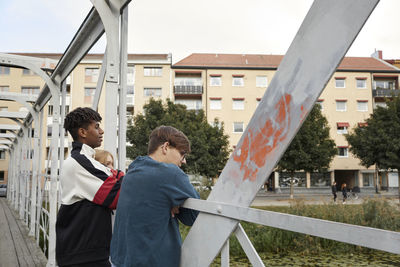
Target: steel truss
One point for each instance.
(320, 44)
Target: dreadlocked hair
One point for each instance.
(80, 118)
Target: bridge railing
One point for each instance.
(369, 237)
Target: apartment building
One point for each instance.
(229, 87)
(153, 70)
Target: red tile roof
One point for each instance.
(97, 56)
(198, 60)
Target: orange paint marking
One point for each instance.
(255, 148)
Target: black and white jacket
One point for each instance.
(89, 193)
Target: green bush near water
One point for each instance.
(372, 213)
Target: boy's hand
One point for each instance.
(174, 210)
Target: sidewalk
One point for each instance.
(17, 249)
(311, 198)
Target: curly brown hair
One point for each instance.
(80, 118)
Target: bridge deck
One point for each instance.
(16, 247)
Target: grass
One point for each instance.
(272, 241)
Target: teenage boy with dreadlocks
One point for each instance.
(89, 193)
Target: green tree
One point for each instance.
(378, 142)
(209, 144)
(311, 149)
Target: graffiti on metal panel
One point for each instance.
(257, 146)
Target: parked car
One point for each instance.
(3, 190)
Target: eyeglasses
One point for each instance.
(183, 154)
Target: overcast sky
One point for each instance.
(182, 27)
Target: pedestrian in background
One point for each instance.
(334, 190)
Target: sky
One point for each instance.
(182, 27)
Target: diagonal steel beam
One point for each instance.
(87, 35)
(323, 39)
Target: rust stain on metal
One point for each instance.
(257, 146)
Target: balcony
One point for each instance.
(188, 89)
(385, 92)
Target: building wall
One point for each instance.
(141, 82)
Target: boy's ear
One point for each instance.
(82, 132)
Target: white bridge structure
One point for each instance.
(322, 41)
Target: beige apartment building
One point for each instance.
(154, 71)
(228, 87)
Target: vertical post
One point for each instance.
(308, 179)
(54, 178)
(39, 176)
(35, 168)
(123, 91)
(28, 145)
(62, 132)
(22, 176)
(360, 179)
(276, 182)
(332, 173)
(9, 174)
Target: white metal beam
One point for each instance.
(13, 114)
(18, 97)
(10, 127)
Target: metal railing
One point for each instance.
(385, 92)
(188, 89)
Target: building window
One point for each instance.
(191, 104)
(4, 88)
(130, 89)
(215, 81)
(4, 70)
(238, 127)
(50, 110)
(341, 105)
(261, 81)
(91, 75)
(368, 179)
(342, 127)
(89, 95)
(237, 81)
(152, 71)
(4, 108)
(130, 72)
(188, 81)
(320, 102)
(1, 176)
(2, 154)
(340, 82)
(382, 84)
(152, 92)
(238, 104)
(215, 104)
(362, 105)
(361, 83)
(343, 151)
(32, 90)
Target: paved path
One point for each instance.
(284, 200)
(17, 249)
